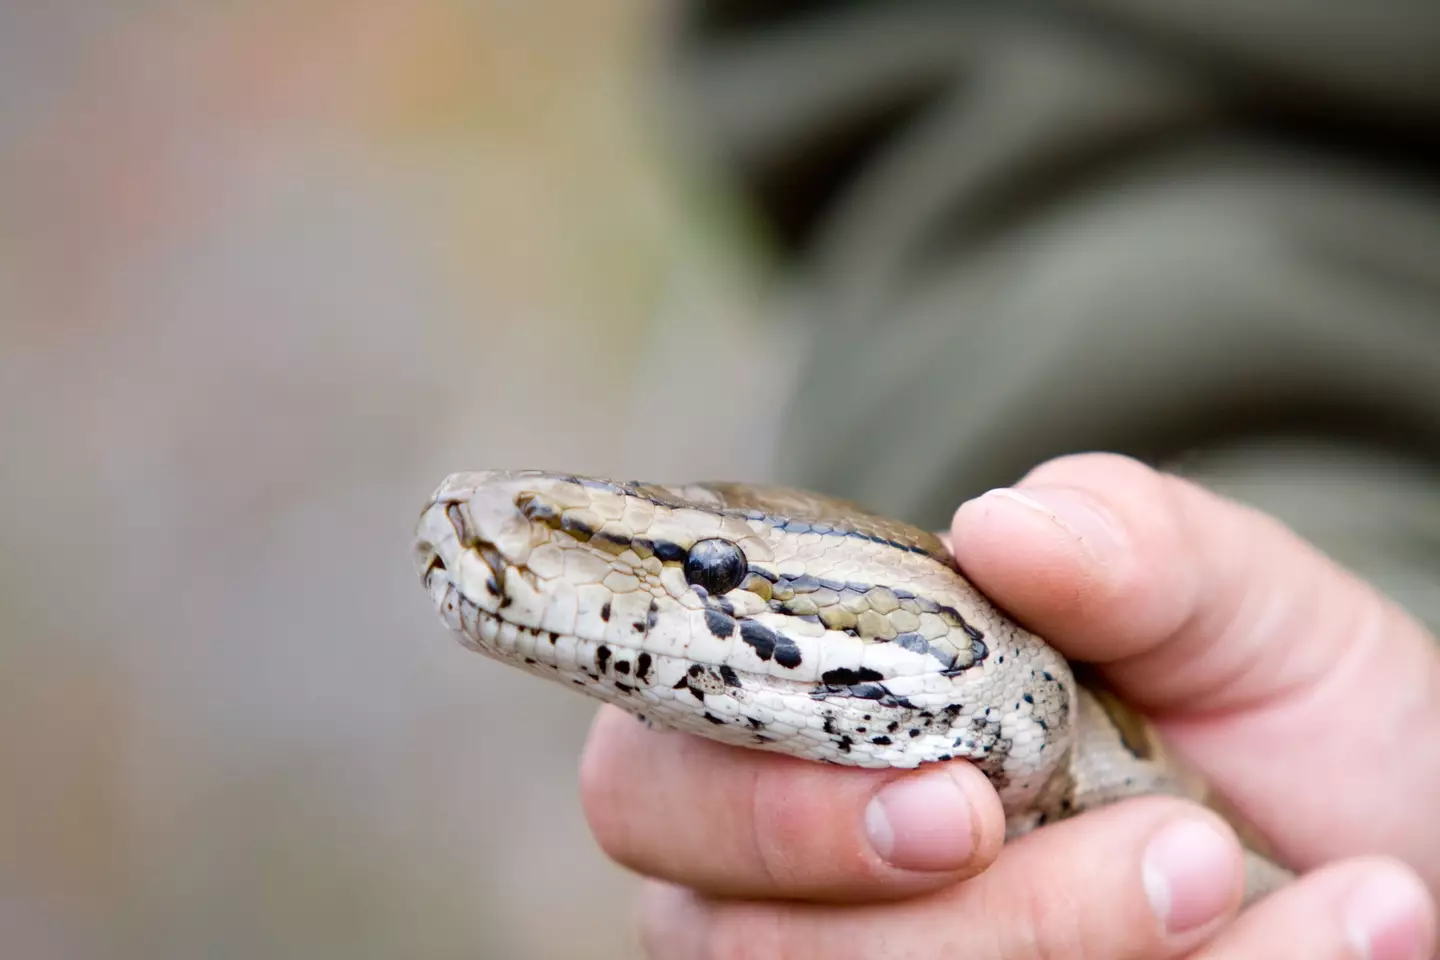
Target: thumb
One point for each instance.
(1311, 702)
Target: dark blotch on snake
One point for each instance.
(536, 510)
(622, 667)
(667, 552)
(760, 638)
(804, 583)
(714, 719)
(869, 690)
(602, 657)
(787, 652)
(578, 529)
(719, 624)
(913, 642)
(727, 673)
(642, 666)
(605, 612)
(846, 677)
(608, 540)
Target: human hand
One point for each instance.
(1308, 700)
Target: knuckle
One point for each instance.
(778, 824)
(1049, 923)
(800, 830)
(745, 932)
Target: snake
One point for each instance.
(781, 620)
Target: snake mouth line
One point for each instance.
(486, 629)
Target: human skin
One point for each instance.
(1308, 699)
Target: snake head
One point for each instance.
(762, 617)
(580, 559)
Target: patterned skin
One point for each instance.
(781, 620)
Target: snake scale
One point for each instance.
(782, 620)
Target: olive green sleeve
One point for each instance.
(1207, 235)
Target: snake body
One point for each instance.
(782, 620)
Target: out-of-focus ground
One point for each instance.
(268, 272)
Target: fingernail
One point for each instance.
(1191, 873)
(922, 822)
(1074, 511)
(1388, 918)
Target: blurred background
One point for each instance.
(269, 271)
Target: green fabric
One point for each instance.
(1205, 234)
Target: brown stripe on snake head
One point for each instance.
(583, 526)
(878, 613)
(456, 516)
(492, 557)
(870, 611)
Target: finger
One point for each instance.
(741, 823)
(1279, 673)
(1148, 879)
(1363, 909)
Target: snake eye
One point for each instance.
(716, 565)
